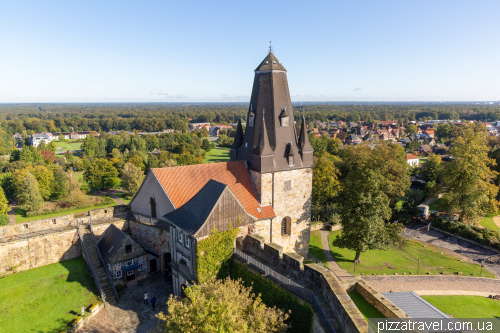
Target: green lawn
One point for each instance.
(435, 205)
(366, 309)
(68, 145)
(21, 219)
(316, 247)
(217, 154)
(422, 160)
(404, 259)
(487, 222)
(46, 299)
(466, 306)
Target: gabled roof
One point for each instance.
(192, 215)
(270, 63)
(426, 148)
(110, 242)
(181, 183)
(411, 157)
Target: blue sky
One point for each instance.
(176, 51)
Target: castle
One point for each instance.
(266, 186)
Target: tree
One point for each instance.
(432, 168)
(89, 146)
(205, 145)
(326, 184)
(75, 195)
(59, 186)
(29, 195)
(411, 130)
(44, 177)
(4, 203)
(375, 176)
(152, 142)
(101, 175)
(61, 138)
(221, 306)
(30, 154)
(444, 131)
(132, 178)
(468, 181)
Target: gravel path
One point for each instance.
(341, 273)
(435, 285)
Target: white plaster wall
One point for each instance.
(151, 188)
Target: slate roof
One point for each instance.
(192, 215)
(414, 306)
(110, 242)
(181, 183)
(426, 148)
(270, 63)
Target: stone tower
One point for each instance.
(280, 162)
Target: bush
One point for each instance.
(301, 318)
(119, 287)
(4, 219)
(64, 206)
(480, 235)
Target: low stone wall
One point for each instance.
(39, 251)
(328, 226)
(63, 221)
(348, 315)
(467, 240)
(386, 307)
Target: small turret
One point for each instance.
(263, 154)
(238, 140)
(306, 150)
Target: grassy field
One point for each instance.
(68, 145)
(366, 309)
(46, 299)
(435, 205)
(404, 259)
(422, 160)
(218, 154)
(316, 247)
(487, 222)
(466, 306)
(21, 219)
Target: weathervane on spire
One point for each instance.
(270, 47)
(263, 114)
(303, 116)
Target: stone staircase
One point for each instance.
(93, 259)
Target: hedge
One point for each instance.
(301, 317)
(472, 232)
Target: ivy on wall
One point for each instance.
(213, 254)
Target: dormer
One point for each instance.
(251, 117)
(284, 118)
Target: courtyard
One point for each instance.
(46, 299)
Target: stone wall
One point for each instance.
(294, 203)
(291, 264)
(60, 222)
(386, 307)
(153, 237)
(39, 251)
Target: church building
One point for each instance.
(265, 189)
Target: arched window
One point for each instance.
(286, 226)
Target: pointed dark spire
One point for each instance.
(304, 144)
(238, 137)
(263, 148)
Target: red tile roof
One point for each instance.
(411, 157)
(182, 182)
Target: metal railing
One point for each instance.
(104, 265)
(96, 279)
(289, 285)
